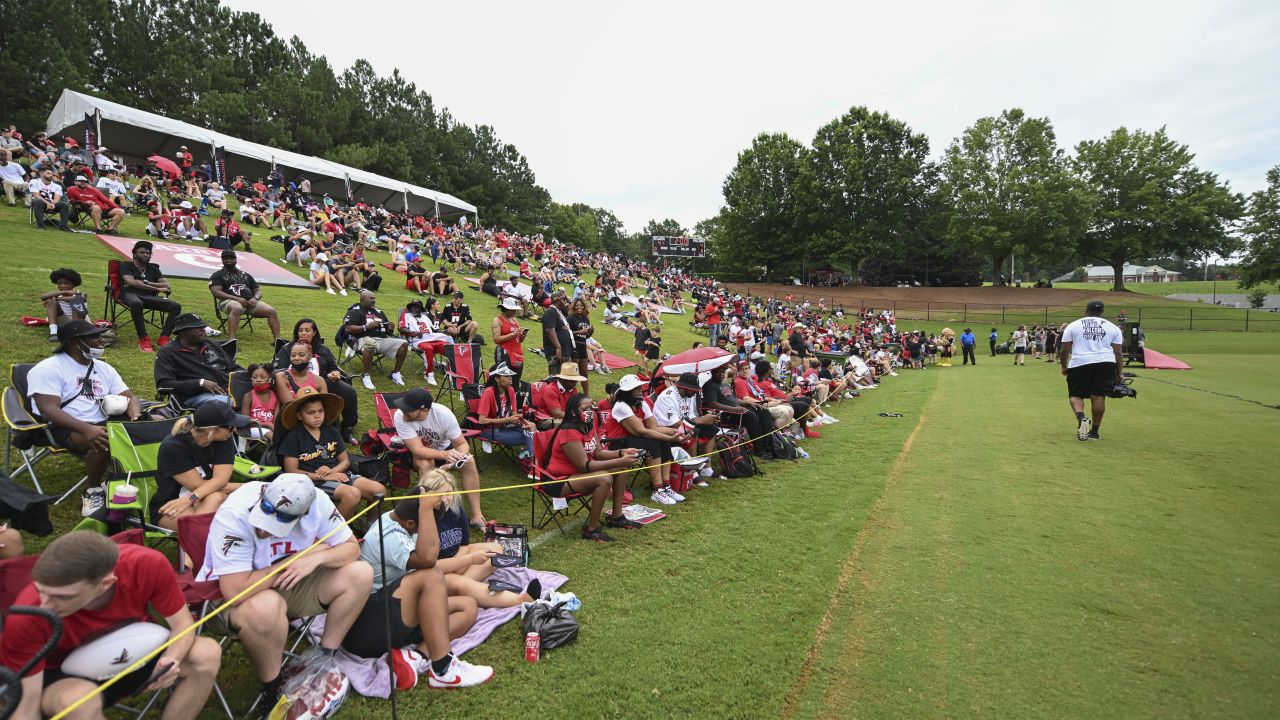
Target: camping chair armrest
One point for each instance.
(15, 415)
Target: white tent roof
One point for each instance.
(138, 133)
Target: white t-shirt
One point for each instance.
(437, 431)
(1019, 338)
(1091, 339)
(47, 191)
(233, 545)
(621, 411)
(318, 267)
(60, 375)
(12, 172)
(112, 187)
(669, 409)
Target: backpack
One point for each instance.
(735, 460)
(782, 447)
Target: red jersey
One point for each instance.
(559, 464)
(551, 396)
(143, 577)
(492, 406)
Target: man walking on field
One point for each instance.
(1090, 355)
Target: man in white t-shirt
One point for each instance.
(14, 178)
(68, 391)
(1090, 353)
(47, 197)
(432, 435)
(110, 185)
(262, 524)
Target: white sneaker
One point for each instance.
(460, 674)
(343, 292)
(95, 498)
(396, 378)
(431, 379)
(368, 382)
(894, 374)
(832, 419)
(702, 483)
(674, 495)
(1086, 426)
(661, 497)
(486, 446)
(707, 472)
(330, 291)
(211, 331)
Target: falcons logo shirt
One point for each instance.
(235, 546)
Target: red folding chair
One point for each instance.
(463, 369)
(474, 431)
(574, 502)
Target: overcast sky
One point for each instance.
(642, 108)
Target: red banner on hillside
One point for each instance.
(194, 261)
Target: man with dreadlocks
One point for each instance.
(74, 391)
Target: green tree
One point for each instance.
(1262, 263)
(665, 228)
(868, 186)
(1149, 199)
(1010, 191)
(765, 214)
(574, 224)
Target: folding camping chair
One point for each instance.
(114, 308)
(135, 449)
(574, 502)
(202, 597)
(464, 367)
(381, 442)
(246, 319)
(25, 432)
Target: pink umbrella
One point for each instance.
(696, 360)
(169, 167)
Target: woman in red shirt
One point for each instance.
(574, 458)
(507, 335)
(498, 416)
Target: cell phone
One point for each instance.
(161, 669)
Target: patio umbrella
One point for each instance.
(169, 167)
(696, 360)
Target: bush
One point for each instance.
(1257, 297)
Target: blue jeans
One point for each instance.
(198, 400)
(510, 436)
(713, 331)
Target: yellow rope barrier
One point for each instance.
(288, 561)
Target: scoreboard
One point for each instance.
(679, 246)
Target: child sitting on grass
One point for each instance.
(66, 301)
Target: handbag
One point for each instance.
(514, 540)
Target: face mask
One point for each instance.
(299, 367)
(265, 387)
(94, 353)
(589, 416)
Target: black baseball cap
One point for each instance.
(218, 414)
(1094, 306)
(415, 399)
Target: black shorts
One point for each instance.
(62, 438)
(1092, 379)
(128, 685)
(367, 638)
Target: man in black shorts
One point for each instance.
(1090, 353)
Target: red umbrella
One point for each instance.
(169, 167)
(696, 360)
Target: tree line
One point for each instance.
(865, 198)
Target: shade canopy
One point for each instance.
(139, 134)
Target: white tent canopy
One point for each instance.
(138, 134)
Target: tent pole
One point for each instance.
(437, 209)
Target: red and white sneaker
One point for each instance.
(460, 674)
(404, 665)
(144, 344)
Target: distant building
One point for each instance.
(1132, 273)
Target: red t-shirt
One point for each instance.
(143, 577)
(713, 314)
(89, 196)
(511, 347)
(560, 464)
(489, 403)
(552, 397)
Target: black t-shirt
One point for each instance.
(796, 341)
(181, 453)
(235, 282)
(359, 316)
(553, 321)
(654, 347)
(713, 394)
(456, 315)
(576, 323)
(313, 454)
(151, 273)
(641, 336)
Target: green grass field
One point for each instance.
(1169, 288)
(969, 559)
